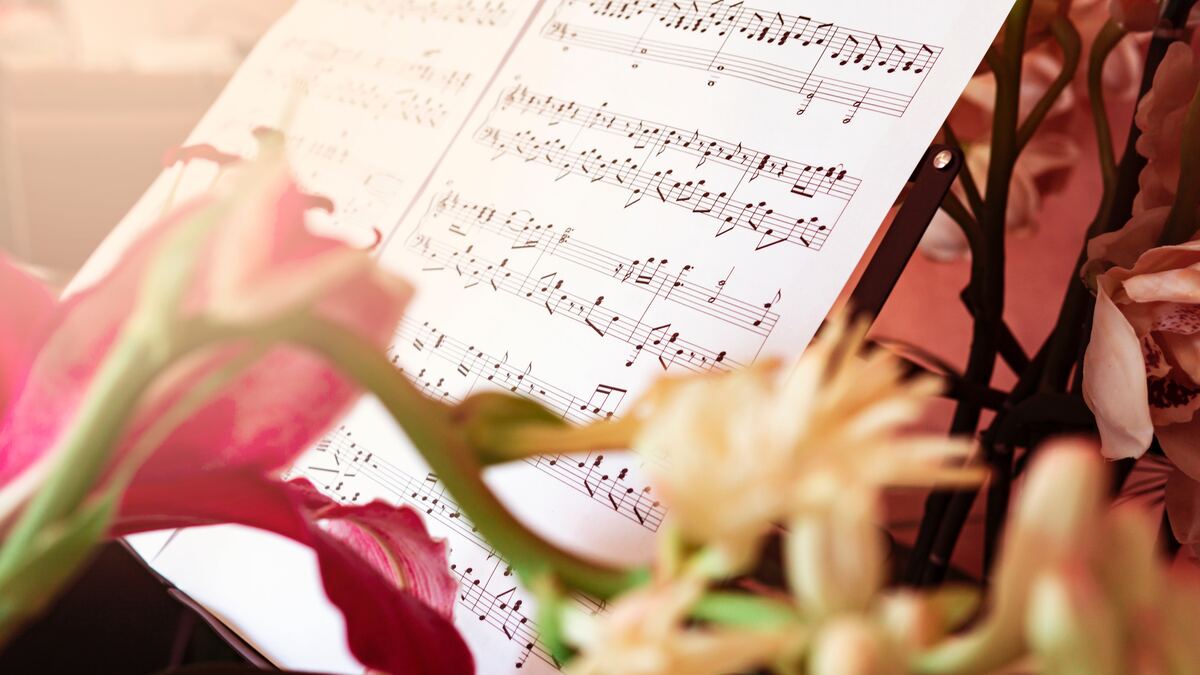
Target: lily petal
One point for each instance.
(378, 564)
(27, 306)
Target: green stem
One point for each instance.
(1181, 223)
(1107, 40)
(1060, 350)
(88, 443)
(532, 440)
(744, 610)
(444, 448)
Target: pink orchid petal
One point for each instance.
(1177, 285)
(24, 314)
(1185, 352)
(1123, 247)
(1114, 383)
(393, 627)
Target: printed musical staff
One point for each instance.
(482, 369)
(488, 590)
(723, 171)
(327, 58)
(813, 59)
(663, 341)
(470, 12)
(650, 274)
(605, 481)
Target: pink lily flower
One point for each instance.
(222, 462)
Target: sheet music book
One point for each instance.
(588, 194)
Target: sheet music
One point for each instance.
(644, 188)
(369, 94)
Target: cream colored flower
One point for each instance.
(836, 556)
(735, 453)
(645, 633)
(853, 646)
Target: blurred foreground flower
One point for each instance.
(645, 633)
(1079, 588)
(735, 453)
(735, 456)
(165, 396)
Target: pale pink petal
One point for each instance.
(1160, 116)
(1183, 508)
(1179, 285)
(1123, 247)
(1181, 443)
(1114, 383)
(393, 628)
(1185, 352)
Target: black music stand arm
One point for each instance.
(931, 180)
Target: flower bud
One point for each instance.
(851, 647)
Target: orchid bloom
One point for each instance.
(1160, 117)
(206, 440)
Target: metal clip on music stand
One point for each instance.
(929, 183)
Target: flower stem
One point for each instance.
(1060, 351)
(945, 512)
(430, 427)
(144, 347)
(1068, 40)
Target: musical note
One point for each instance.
(695, 35)
(834, 185)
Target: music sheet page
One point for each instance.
(643, 189)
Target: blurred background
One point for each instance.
(91, 94)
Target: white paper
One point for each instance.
(642, 189)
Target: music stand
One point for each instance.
(929, 184)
